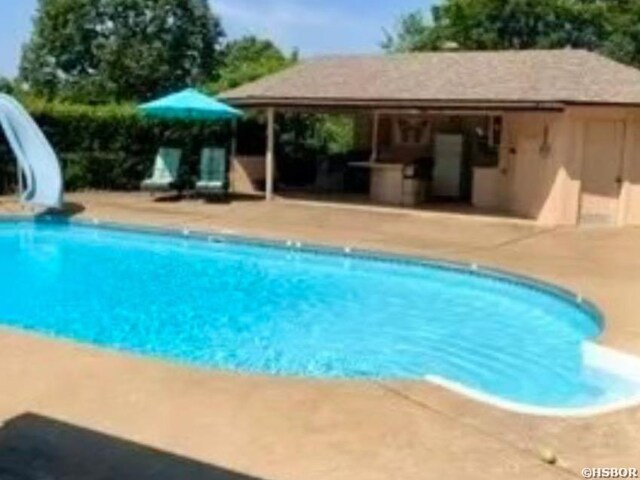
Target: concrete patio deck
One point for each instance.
(79, 412)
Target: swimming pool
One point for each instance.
(242, 305)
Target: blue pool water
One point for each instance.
(246, 307)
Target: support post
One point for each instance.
(270, 158)
(233, 153)
(234, 138)
(375, 129)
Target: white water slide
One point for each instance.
(41, 179)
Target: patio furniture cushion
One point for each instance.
(213, 170)
(165, 169)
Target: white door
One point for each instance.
(603, 150)
(447, 171)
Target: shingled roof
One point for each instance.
(536, 77)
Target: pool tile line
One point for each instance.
(572, 298)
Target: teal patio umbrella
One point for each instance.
(189, 104)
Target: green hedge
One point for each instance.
(112, 147)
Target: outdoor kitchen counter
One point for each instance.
(386, 181)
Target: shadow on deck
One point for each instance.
(36, 447)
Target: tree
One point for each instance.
(101, 50)
(248, 59)
(506, 24)
(414, 33)
(6, 86)
(623, 43)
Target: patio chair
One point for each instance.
(214, 181)
(165, 171)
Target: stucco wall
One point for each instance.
(540, 173)
(630, 196)
(584, 143)
(248, 174)
(624, 153)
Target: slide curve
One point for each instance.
(42, 176)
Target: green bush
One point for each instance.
(112, 147)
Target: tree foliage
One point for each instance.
(110, 146)
(248, 59)
(623, 43)
(609, 26)
(101, 50)
(6, 85)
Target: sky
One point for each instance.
(314, 26)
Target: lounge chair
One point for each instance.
(214, 181)
(165, 171)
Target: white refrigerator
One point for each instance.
(447, 170)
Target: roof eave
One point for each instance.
(602, 103)
(358, 103)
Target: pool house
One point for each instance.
(550, 135)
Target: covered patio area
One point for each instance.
(445, 159)
(541, 135)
